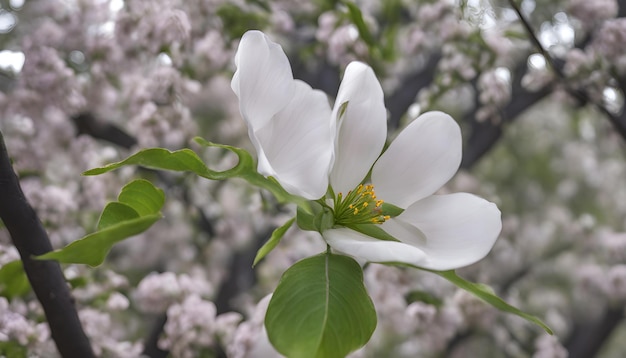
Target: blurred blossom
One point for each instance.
(157, 291)
(190, 327)
(591, 13)
(250, 339)
(549, 347)
(617, 283)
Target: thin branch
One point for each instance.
(46, 277)
(400, 101)
(618, 121)
(484, 135)
(86, 123)
(151, 344)
(588, 338)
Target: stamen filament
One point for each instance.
(359, 206)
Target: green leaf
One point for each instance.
(13, 349)
(115, 212)
(186, 160)
(306, 220)
(13, 280)
(183, 160)
(138, 207)
(273, 241)
(93, 248)
(485, 293)
(143, 197)
(318, 218)
(423, 296)
(246, 170)
(357, 19)
(320, 309)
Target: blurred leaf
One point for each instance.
(11, 349)
(236, 21)
(273, 241)
(13, 280)
(423, 296)
(138, 208)
(320, 309)
(485, 293)
(357, 19)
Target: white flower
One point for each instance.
(306, 146)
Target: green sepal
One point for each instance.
(320, 309)
(372, 230)
(137, 209)
(487, 294)
(273, 241)
(319, 218)
(13, 280)
(391, 210)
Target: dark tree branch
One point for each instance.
(241, 276)
(400, 101)
(588, 338)
(484, 135)
(46, 277)
(618, 121)
(86, 123)
(151, 344)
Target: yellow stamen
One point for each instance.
(359, 206)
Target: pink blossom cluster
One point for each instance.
(160, 72)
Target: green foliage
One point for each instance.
(318, 218)
(186, 160)
(138, 207)
(357, 19)
(13, 280)
(320, 309)
(374, 231)
(237, 21)
(273, 241)
(12, 349)
(486, 294)
(423, 296)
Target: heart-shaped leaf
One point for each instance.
(320, 309)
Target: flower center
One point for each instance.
(359, 206)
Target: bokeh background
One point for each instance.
(539, 97)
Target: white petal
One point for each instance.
(456, 229)
(263, 80)
(296, 145)
(424, 156)
(361, 246)
(362, 130)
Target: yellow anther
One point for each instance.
(359, 206)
